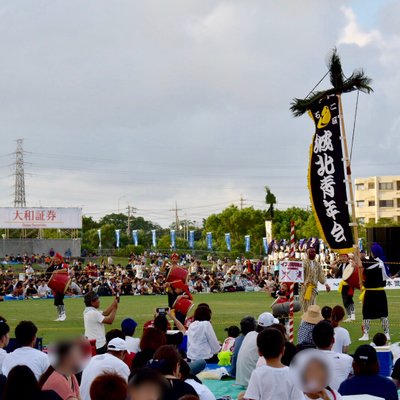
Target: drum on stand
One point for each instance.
(59, 282)
(281, 310)
(351, 276)
(183, 305)
(177, 274)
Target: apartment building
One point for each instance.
(377, 197)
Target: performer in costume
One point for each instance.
(345, 289)
(58, 265)
(313, 273)
(176, 290)
(373, 297)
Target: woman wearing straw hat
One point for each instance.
(308, 321)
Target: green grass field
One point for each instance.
(228, 309)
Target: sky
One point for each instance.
(157, 103)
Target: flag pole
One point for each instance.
(291, 292)
(347, 160)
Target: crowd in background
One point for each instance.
(25, 276)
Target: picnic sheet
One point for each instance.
(224, 388)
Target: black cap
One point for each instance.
(365, 354)
(89, 297)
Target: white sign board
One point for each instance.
(291, 271)
(334, 284)
(35, 218)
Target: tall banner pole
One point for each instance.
(351, 191)
(291, 292)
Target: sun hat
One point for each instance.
(266, 319)
(313, 315)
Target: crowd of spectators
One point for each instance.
(166, 364)
(26, 277)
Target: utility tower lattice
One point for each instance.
(19, 195)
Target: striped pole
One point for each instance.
(291, 313)
(291, 293)
(292, 246)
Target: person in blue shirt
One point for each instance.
(366, 379)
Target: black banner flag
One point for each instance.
(326, 177)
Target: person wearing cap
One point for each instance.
(313, 274)
(308, 321)
(248, 353)
(94, 320)
(128, 327)
(110, 362)
(373, 296)
(366, 379)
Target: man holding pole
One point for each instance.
(313, 273)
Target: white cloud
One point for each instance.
(352, 32)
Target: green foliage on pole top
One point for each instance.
(270, 200)
(357, 81)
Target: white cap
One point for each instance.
(266, 319)
(117, 344)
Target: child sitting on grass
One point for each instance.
(225, 355)
(272, 381)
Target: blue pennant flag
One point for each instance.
(191, 239)
(209, 240)
(360, 244)
(117, 237)
(247, 243)
(153, 238)
(135, 237)
(265, 244)
(173, 238)
(228, 241)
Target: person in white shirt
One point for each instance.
(128, 327)
(27, 355)
(111, 362)
(43, 289)
(4, 339)
(202, 340)
(312, 372)
(202, 390)
(248, 353)
(273, 380)
(138, 269)
(342, 364)
(94, 320)
(342, 336)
